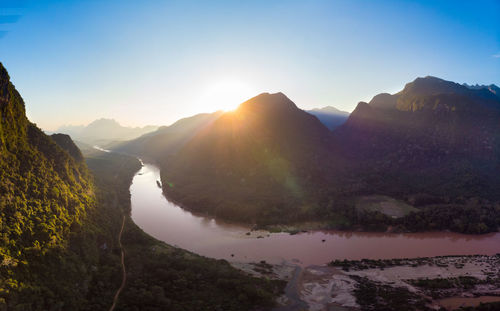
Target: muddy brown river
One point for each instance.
(212, 238)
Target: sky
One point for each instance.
(153, 62)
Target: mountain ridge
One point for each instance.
(251, 146)
(439, 132)
(330, 116)
(104, 131)
(45, 192)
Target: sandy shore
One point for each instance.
(333, 287)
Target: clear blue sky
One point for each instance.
(152, 62)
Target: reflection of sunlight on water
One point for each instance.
(100, 149)
(214, 238)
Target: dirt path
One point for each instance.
(292, 293)
(124, 279)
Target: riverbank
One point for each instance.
(419, 283)
(208, 236)
(159, 275)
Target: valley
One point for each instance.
(406, 162)
(318, 155)
(261, 208)
(208, 236)
(333, 270)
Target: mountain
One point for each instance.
(167, 139)
(104, 131)
(45, 191)
(256, 162)
(330, 116)
(434, 145)
(435, 137)
(67, 234)
(65, 142)
(492, 88)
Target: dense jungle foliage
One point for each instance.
(59, 225)
(163, 277)
(45, 195)
(435, 145)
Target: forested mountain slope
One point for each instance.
(435, 137)
(44, 192)
(167, 140)
(434, 145)
(59, 227)
(259, 161)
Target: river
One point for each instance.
(164, 220)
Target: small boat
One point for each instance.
(158, 183)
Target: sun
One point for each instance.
(226, 94)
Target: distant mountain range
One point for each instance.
(492, 88)
(330, 116)
(62, 225)
(435, 142)
(104, 131)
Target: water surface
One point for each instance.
(206, 236)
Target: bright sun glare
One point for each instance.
(226, 95)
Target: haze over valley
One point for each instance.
(103, 132)
(285, 156)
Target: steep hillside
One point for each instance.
(259, 161)
(59, 227)
(330, 116)
(44, 193)
(434, 145)
(65, 142)
(167, 140)
(434, 137)
(37, 176)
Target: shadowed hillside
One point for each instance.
(59, 248)
(433, 145)
(435, 137)
(262, 160)
(167, 140)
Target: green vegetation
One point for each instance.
(167, 139)
(440, 283)
(425, 155)
(246, 167)
(445, 287)
(59, 226)
(379, 297)
(374, 291)
(160, 276)
(470, 217)
(45, 197)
